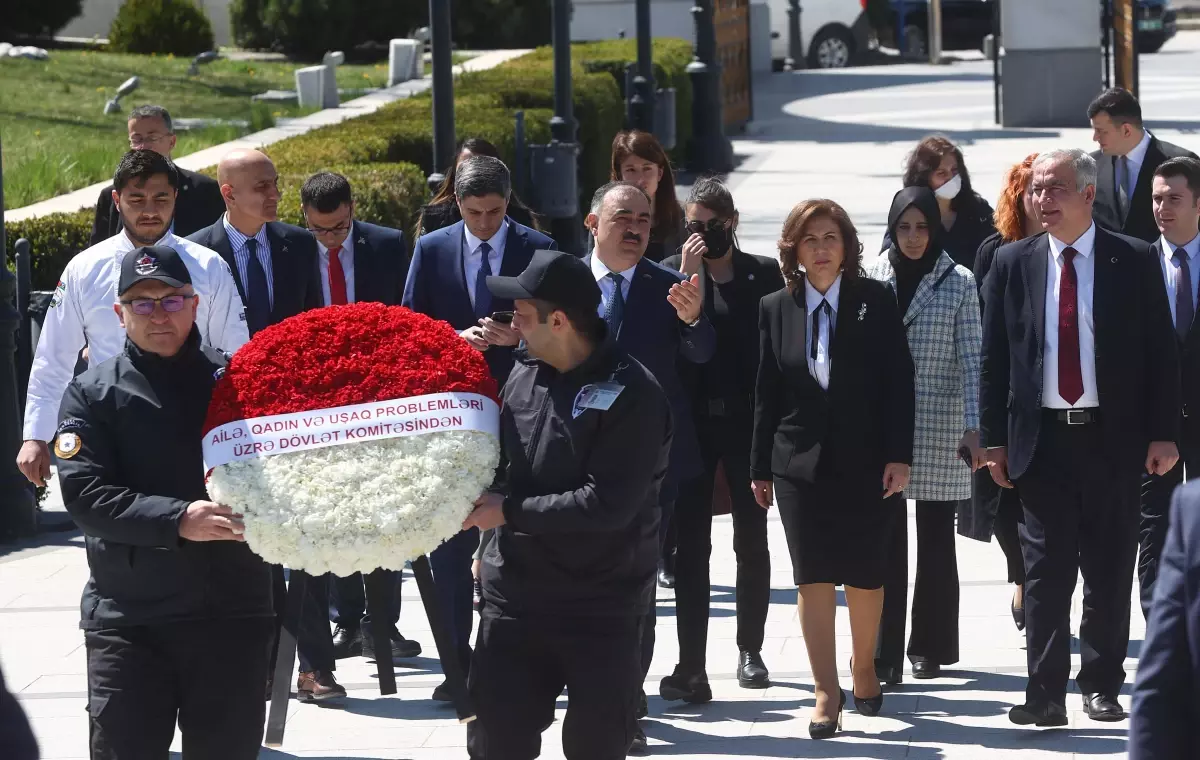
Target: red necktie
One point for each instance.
(1070, 376)
(337, 278)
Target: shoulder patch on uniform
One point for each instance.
(219, 373)
(66, 445)
(69, 423)
(59, 290)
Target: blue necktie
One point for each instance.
(616, 306)
(1185, 309)
(483, 296)
(258, 296)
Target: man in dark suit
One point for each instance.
(1164, 723)
(275, 266)
(357, 262)
(1080, 396)
(1176, 200)
(199, 201)
(656, 315)
(448, 281)
(1127, 159)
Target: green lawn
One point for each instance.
(55, 135)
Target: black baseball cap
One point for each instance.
(153, 262)
(556, 277)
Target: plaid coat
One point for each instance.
(945, 338)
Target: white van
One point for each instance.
(832, 32)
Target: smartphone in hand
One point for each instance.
(503, 317)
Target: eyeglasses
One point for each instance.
(151, 139)
(341, 229)
(144, 307)
(700, 228)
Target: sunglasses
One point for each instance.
(144, 307)
(713, 225)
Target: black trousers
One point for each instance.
(935, 593)
(519, 669)
(1156, 506)
(348, 600)
(314, 640)
(1081, 514)
(1008, 517)
(666, 504)
(451, 566)
(721, 442)
(208, 675)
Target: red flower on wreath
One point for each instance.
(343, 355)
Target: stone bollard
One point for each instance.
(310, 86)
(332, 60)
(400, 60)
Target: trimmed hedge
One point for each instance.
(387, 154)
(55, 239)
(177, 27)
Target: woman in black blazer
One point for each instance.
(833, 440)
(722, 393)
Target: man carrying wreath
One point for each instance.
(568, 578)
(176, 613)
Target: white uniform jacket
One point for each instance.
(81, 313)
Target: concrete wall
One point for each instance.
(603, 19)
(98, 16)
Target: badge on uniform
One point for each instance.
(59, 290)
(66, 445)
(595, 396)
(146, 265)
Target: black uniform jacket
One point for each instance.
(134, 426)
(581, 510)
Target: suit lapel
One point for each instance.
(639, 296)
(925, 290)
(364, 266)
(1142, 187)
(794, 331)
(219, 242)
(1106, 297)
(515, 244)
(850, 305)
(280, 270)
(1033, 266)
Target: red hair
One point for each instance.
(1010, 211)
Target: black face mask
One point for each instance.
(717, 242)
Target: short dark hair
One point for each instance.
(153, 112)
(325, 192)
(1120, 105)
(585, 321)
(1184, 166)
(478, 176)
(142, 165)
(712, 194)
(603, 191)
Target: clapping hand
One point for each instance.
(685, 297)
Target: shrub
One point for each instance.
(246, 22)
(160, 26)
(55, 239)
(390, 194)
(307, 29)
(37, 18)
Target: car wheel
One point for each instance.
(913, 45)
(832, 48)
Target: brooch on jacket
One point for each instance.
(862, 312)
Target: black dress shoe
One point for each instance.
(692, 688)
(926, 669)
(666, 578)
(752, 671)
(887, 674)
(402, 648)
(638, 746)
(1043, 716)
(347, 642)
(1103, 708)
(826, 728)
(1018, 613)
(442, 693)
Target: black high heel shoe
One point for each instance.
(868, 706)
(827, 728)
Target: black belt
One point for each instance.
(1075, 416)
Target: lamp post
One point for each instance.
(640, 109)
(710, 150)
(443, 90)
(18, 510)
(795, 59)
(554, 170)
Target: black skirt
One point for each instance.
(837, 534)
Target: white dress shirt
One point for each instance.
(346, 257)
(473, 259)
(1170, 269)
(1136, 158)
(241, 255)
(820, 366)
(601, 273)
(1085, 279)
(81, 314)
